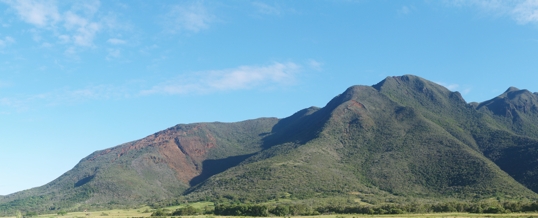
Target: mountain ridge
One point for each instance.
(404, 137)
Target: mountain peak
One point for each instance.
(511, 89)
(512, 103)
(411, 90)
(397, 80)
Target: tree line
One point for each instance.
(262, 210)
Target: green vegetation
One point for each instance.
(489, 208)
(405, 145)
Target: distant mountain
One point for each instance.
(516, 109)
(403, 138)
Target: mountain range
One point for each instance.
(403, 138)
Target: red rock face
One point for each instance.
(179, 162)
(183, 150)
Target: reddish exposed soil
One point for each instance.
(182, 149)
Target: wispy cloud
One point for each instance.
(115, 41)
(526, 12)
(315, 65)
(39, 13)
(96, 92)
(83, 30)
(113, 54)
(267, 9)
(522, 11)
(11, 103)
(77, 25)
(65, 96)
(191, 17)
(404, 10)
(455, 87)
(6, 41)
(240, 78)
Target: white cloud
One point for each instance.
(13, 103)
(115, 41)
(315, 65)
(113, 54)
(192, 17)
(267, 9)
(522, 11)
(67, 96)
(526, 12)
(39, 13)
(64, 38)
(451, 87)
(6, 41)
(91, 92)
(64, 96)
(71, 52)
(404, 10)
(76, 25)
(455, 87)
(147, 49)
(240, 78)
(83, 31)
(46, 45)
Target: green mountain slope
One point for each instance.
(403, 138)
(160, 166)
(516, 153)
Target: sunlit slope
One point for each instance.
(160, 166)
(405, 137)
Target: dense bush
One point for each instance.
(159, 212)
(189, 210)
(280, 210)
(241, 210)
(443, 207)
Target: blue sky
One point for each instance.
(80, 76)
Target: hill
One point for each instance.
(403, 138)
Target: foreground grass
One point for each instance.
(136, 213)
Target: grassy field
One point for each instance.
(140, 213)
(147, 211)
(134, 213)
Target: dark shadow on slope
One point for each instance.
(213, 167)
(520, 162)
(299, 128)
(84, 181)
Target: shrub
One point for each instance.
(185, 211)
